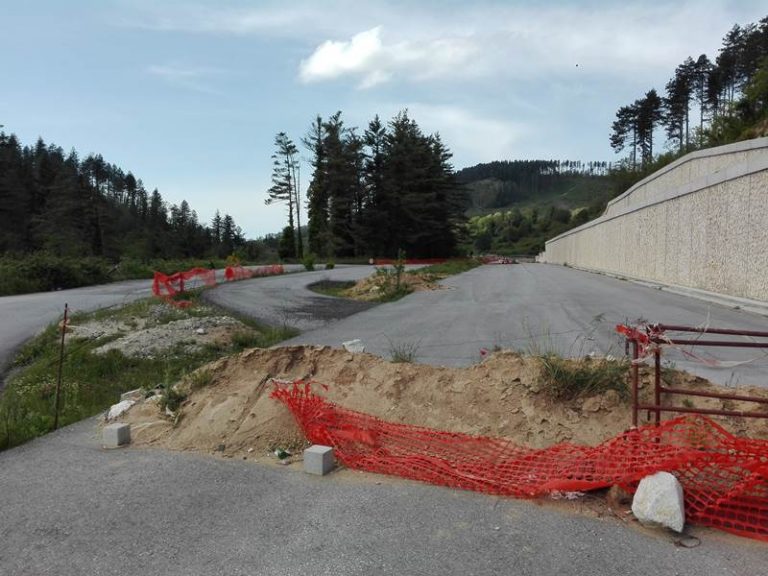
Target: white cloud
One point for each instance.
(365, 55)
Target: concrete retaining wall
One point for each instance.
(701, 222)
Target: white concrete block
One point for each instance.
(354, 346)
(115, 435)
(318, 460)
(659, 502)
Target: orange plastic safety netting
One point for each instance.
(725, 478)
(241, 273)
(169, 285)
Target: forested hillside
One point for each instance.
(52, 201)
(67, 222)
(517, 205)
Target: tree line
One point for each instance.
(390, 188)
(53, 202)
(532, 170)
(704, 103)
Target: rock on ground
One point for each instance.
(658, 501)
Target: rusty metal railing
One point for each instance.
(648, 340)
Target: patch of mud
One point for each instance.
(500, 397)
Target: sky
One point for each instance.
(188, 95)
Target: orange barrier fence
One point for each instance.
(169, 286)
(241, 273)
(725, 478)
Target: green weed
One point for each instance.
(564, 379)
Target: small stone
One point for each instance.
(591, 404)
(617, 497)
(220, 447)
(611, 399)
(659, 501)
(200, 331)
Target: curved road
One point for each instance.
(531, 307)
(70, 507)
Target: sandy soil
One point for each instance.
(501, 396)
(373, 286)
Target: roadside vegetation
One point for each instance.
(93, 379)
(567, 379)
(390, 283)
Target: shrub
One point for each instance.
(309, 262)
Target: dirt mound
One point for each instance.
(503, 396)
(375, 286)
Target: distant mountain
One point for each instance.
(527, 183)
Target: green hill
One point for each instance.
(515, 206)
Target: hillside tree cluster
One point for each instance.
(375, 193)
(705, 102)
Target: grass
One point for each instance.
(336, 288)
(450, 267)
(564, 379)
(403, 352)
(92, 382)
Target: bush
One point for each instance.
(309, 262)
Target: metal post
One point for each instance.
(635, 382)
(657, 387)
(61, 365)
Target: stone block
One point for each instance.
(659, 501)
(318, 460)
(115, 435)
(355, 346)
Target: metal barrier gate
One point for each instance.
(648, 339)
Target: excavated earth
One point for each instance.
(231, 412)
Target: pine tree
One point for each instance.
(283, 189)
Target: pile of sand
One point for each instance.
(501, 396)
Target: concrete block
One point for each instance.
(355, 346)
(115, 435)
(318, 460)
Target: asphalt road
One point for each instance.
(23, 316)
(69, 507)
(529, 307)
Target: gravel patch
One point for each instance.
(183, 336)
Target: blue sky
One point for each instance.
(189, 95)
